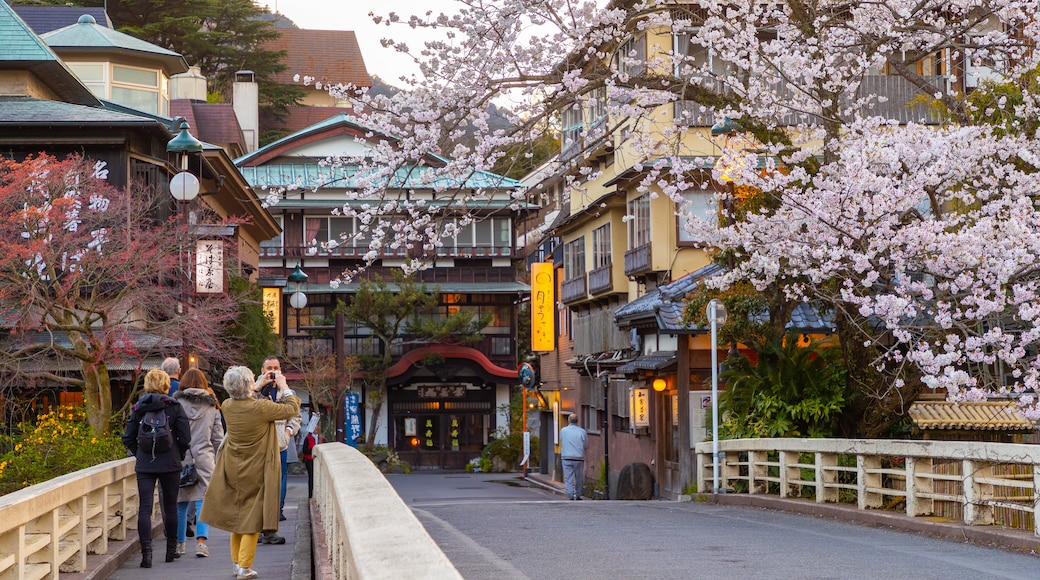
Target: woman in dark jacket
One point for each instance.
(162, 466)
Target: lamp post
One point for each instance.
(184, 187)
(298, 300)
(716, 317)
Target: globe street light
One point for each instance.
(716, 312)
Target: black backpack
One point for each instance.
(153, 433)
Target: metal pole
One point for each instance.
(606, 435)
(714, 397)
(340, 405)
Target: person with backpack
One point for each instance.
(158, 435)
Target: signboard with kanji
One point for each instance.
(543, 307)
(209, 267)
(640, 408)
(352, 416)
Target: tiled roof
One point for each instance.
(210, 122)
(666, 307)
(308, 173)
(299, 118)
(982, 416)
(23, 111)
(43, 19)
(330, 56)
(650, 362)
(86, 34)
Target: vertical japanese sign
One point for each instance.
(640, 408)
(543, 307)
(352, 417)
(209, 267)
(272, 308)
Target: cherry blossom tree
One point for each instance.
(89, 276)
(912, 219)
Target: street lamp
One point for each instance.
(184, 186)
(716, 317)
(298, 300)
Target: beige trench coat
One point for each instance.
(243, 493)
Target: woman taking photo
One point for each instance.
(243, 494)
(202, 408)
(159, 446)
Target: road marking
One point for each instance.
(506, 569)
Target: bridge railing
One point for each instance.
(363, 528)
(977, 483)
(51, 527)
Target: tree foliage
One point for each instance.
(398, 311)
(916, 229)
(793, 390)
(90, 277)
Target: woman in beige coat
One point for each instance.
(243, 494)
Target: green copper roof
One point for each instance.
(19, 42)
(310, 174)
(89, 35)
(21, 49)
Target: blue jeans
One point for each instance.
(201, 527)
(285, 478)
(573, 477)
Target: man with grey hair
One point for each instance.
(172, 367)
(573, 443)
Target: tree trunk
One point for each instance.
(97, 386)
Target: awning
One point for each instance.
(980, 416)
(650, 362)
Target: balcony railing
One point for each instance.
(360, 251)
(637, 261)
(894, 95)
(574, 289)
(601, 279)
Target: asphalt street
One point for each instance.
(496, 526)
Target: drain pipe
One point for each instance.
(606, 432)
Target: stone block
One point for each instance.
(635, 482)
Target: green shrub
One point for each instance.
(60, 442)
(509, 449)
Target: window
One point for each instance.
(699, 56)
(273, 243)
(315, 231)
(574, 259)
(699, 203)
(571, 126)
(93, 75)
(639, 222)
(143, 89)
(601, 246)
(631, 57)
(485, 233)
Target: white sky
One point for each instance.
(353, 15)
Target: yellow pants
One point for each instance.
(243, 549)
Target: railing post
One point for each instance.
(976, 512)
(758, 471)
(787, 473)
(825, 477)
(1036, 500)
(915, 484)
(866, 479)
(702, 467)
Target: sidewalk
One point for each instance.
(288, 561)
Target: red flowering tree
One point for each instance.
(91, 275)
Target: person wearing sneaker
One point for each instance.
(201, 406)
(272, 366)
(242, 497)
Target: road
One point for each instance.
(495, 526)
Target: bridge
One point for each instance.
(81, 525)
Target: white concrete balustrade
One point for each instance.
(363, 528)
(979, 483)
(51, 527)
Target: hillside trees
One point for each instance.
(918, 230)
(90, 278)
